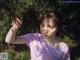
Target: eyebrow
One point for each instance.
(47, 23)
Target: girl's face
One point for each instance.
(48, 28)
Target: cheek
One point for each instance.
(41, 29)
(52, 31)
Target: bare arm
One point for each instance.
(13, 39)
(11, 35)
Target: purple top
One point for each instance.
(41, 51)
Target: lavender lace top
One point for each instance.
(42, 51)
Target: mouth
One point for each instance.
(45, 35)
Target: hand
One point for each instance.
(17, 23)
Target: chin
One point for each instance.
(46, 36)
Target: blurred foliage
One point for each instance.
(30, 11)
(17, 55)
(69, 41)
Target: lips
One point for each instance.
(45, 35)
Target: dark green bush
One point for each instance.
(30, 11)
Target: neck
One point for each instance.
(52, 40)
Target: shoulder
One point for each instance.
(63, 46)
(37, 34)
(33, 35)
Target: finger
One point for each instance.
(19, 21)
(17, 24)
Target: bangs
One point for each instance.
(49, 16)
(50, 22)
(45, 21)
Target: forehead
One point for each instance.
(48, 22)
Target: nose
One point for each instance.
(45, 30)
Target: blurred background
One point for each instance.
(30, 11)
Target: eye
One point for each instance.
(42, 25)
(51, 26)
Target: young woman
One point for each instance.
(44, 45)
